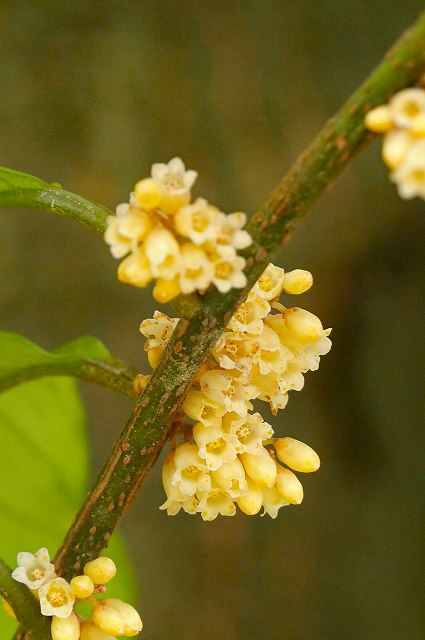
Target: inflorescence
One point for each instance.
(111, 617)
(184, 246)
(402, 121)
(229, 455)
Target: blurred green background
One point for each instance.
(92, 93)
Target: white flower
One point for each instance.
(191, 474)
(173, 176)
(230, 231)
(198, 407)
(126, 230)
(34, 570)
(395, 146)
(176, 500)
(163, 252)
(215, 446)
(269, 284)
(214, 502)
(158, 330)
(235, 350)
(56, 598)
(271, 354)
(409, 176)
(249, 315)
(405, 106)
(231, 477)
(272, 502)
(228, 268)
(268, 389)
(234, 393)
(198, 221)
(249, 431)
(196, 270)
(172, 184)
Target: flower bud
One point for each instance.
(288, 486)
(148, 193)
(89, 631)
(154, 356)
(251, 502)
(65, 628)
(379, 119)
(82, 586)
(100, 570)
(260, 468)
(303, 325)
(166, 290)
(8, 608)
(297, 281)
(297, 455)
(117, 618)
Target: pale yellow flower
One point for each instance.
(214, 445)
(135, 269)
(231, 477)
(196, 271)
(269, 284)
(126, 230)
(198, 221)
(198, 407)
(406, 105)
(158, 330)
(176, 500)
(249, 431)
(34, 570)
(56, 598)
(191, 474)
(234, 393)
(163, 253)
(409, 176)
(272, 501)
(214, 502)
(249, 315)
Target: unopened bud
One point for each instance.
(154, 356)
(166, 290)
(82, 586)
(89, 631)
(251, 502)
(140, 383)
(65, 628)
(100, 570)
(304, 326)
(379, 119)
(289, 486)
(148, 193)
(117, 618)
(260, 468)
(297, 281)
(297, 455)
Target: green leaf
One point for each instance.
(19, 189)
(85, 357)
(44, 473)
(21, 360)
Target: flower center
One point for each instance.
(173, 181)
(418, 175)
(191, 470)
(223, 270)
(57, 597)
(266, 283)
(199, 221)
(241, 314)
(411, 108)
(37, 574)
(243, 431)
(215, 444)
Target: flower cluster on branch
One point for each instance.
(111, 617)
(402, 121)
(184, 246)
(229, 456)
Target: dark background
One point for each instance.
(91, 94)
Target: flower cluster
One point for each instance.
(226, 458)
(184, 246)
(111, 617)
(402, 121)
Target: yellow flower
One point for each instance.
(56, 598)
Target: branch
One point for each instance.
(148, 427)
(115, 374)
(25, 606)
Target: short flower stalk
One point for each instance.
(57, 599)
(228, 456)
